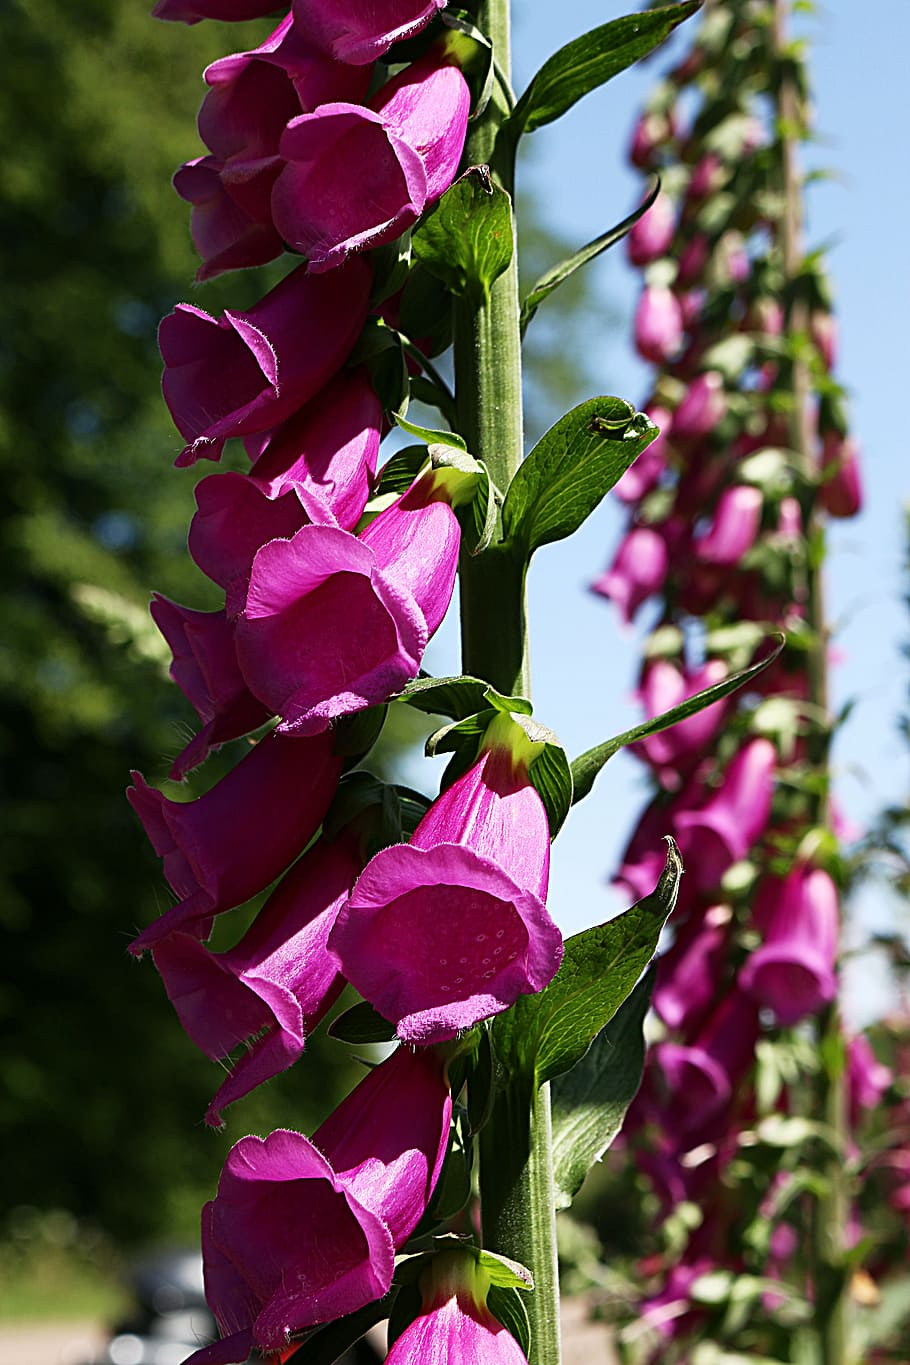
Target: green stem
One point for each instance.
(516, 1160)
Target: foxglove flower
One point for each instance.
(793, 972)
(658, 324)
(247, 372)
(638, 570)
(651, 236)
(734, 527)
(275, 985)
(205, 669)
(645, 472)
(357, 177)
(228, 845)
(390, 587)
(689, 975)
(302, 1232)
(841, 489)
(702, 408)
(724, 828)
(701, 1077)
(452, 928)
(455, 1326)
(360, 31)
(227, 236)
(665, 685)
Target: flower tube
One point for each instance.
(794, 971)
(455, 1325)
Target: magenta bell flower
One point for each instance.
(868, 1079)
(651, 236)
(638, 570)
(794, 971)
(690, 974)
(246, 372)
(191, 11)
(726, 826)
(664, 686)
(357, 177)
(455, 1326)
(206, 671)
(275, 985)
(360, 31)
(734, 527)
(226, 235)
(702, 1077)
(841, 489)
(658, 324)
(452, 928)
(389, 589)
(303, 1232)
(230, 844)
(702, 408)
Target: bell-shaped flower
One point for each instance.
(868, 1079)
(840, 491)
(273, 988)
(794, 971)
(658, 324)
(702, 408)
(227, 236)
(191, 11)
(665, 685)
(247, 372)
(651, 236)
(335, 622)
(638, 570)
(302, 1232)
(452, 928)
(455, 1326)
(359, 176)
(645, 472)
(652, 131)
(733, 528)
(205, 669)
(690, 974)
(362, 31)
(228, 845)
(701, 1077)
(723, 829)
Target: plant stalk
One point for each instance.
(516, 1160)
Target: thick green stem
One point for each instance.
(831, 1208)
(516, 1163)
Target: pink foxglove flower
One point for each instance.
(702, 409)
(452, 928)
(302, 1232)
(665, 685)
(246, 372)
(205, 669)
(724, 828)
(228, 845)
(701, 1077)
(455, 1326)
(794, 971)
(275, 985)
(638, 570)
(357, 177)
(390, 587)
(658, 324)
(867, 1078)
(690, 975)
(651, 236)
(360, 31)
(841, 489)
(227, 236)
(733, 528)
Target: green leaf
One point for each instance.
(429, 436)
(592, 60)
(484, 513)
(560, 273)
(508, 1307)
(571, 468)
(453, 1188)
(546, 1034)
(456, 697)
(586, 767)
(590, 1101)
(552, 778)
(398, 473)
(466, 238)
(326, 1344)
(361, 1024)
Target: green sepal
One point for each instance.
(551, 776)
(592, 60)
(466, 238)
(504, 1273)
(399, 472)
(455, 697)
(546, 1034)
(586, 767)
(484, 514)
(508, 1307)
(571, 468)
(361, 1024)
(425, 311)
(560, 273)
(590, 1101)
(431, 437)
(326, 1344)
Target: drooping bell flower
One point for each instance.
(724, 828)
(692, 259)
(645, 472)
(665, 685)
(690, 974)
(230, 844)
(794, 971)
(638, 570)
(702, 1076)
(362, 31)
(303, 1232)
(335, 622)
(226, 235)
(359, 176)
(452, 928)
(651, 236)
(867, 1078)
(708, 175)
(455, 1325)
(652, 130)
(702, 408)
(275, 985)
(733, 528)
(840, 491)
(247, 372)
(191, 11)
(205, 669)
(658, 324)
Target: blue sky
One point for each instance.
(577, 169)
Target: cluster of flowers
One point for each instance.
(328, 607)
(720, 510)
